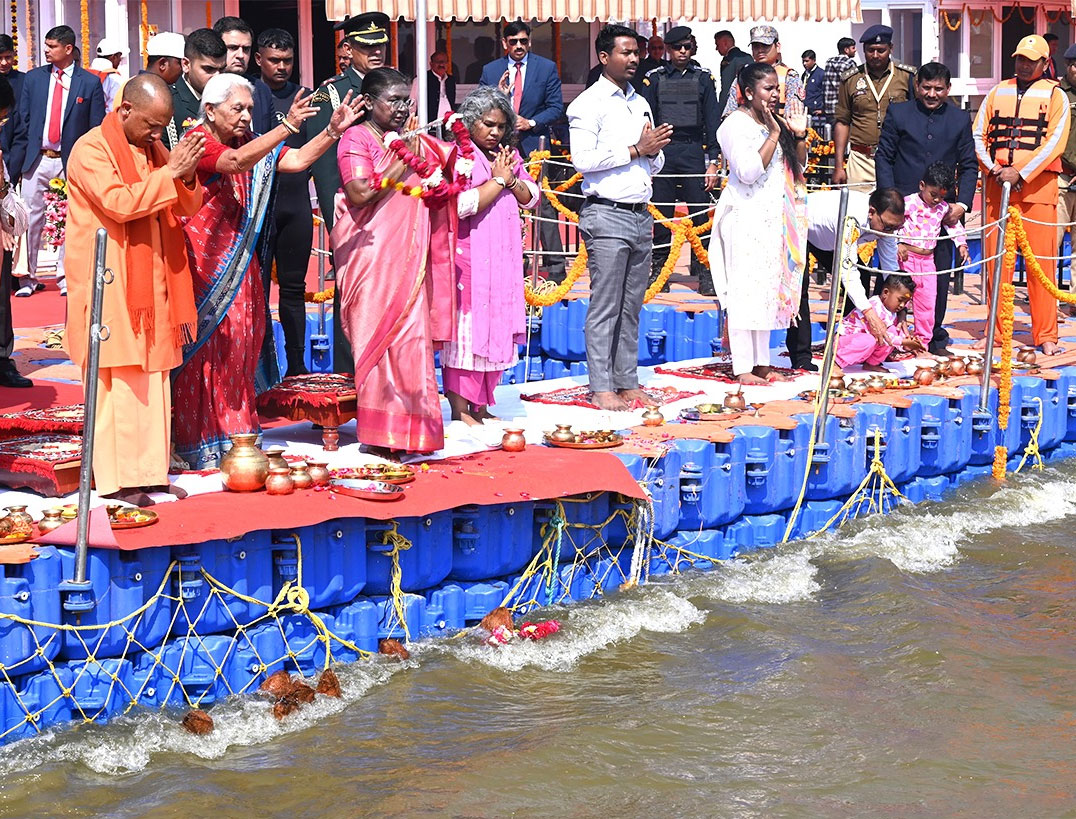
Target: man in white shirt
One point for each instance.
(879, 214)
(617, 149)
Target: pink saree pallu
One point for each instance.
(396, 298)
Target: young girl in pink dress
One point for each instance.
(924, 215)
(856, 344)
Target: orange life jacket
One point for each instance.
(1019, 121)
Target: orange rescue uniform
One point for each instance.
(1026, 129)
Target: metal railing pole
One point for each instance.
(995, 294)
(831, 321)
(536, 226)
(78, 590)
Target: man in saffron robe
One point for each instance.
(121, 178)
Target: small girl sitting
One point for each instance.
(924, 215)
(856, 344)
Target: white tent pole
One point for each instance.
(421, 58)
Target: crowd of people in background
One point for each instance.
(212, 151)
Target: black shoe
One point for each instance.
(10, 377)
(810, 367)
(941, 351)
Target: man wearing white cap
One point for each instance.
(1020, 134)
(106, 65)
(165, 56)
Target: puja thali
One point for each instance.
(588, 439)
(366, 489)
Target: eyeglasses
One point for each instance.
(403, 104)
(679, 47)
(519, 41)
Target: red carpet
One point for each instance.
(43, 309)
(493, 477)
(42, 394)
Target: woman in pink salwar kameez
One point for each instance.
(396, 285)
(489, 260)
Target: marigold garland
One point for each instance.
(15, 32)
(866, 250)
(84, 11)
(1020, 240)
(1006, 317)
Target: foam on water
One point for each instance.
(128, 744)
(584, 630)
(781, 577)
(927, 537)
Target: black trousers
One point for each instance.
(293, 237)
(7, 333)
(682, 158)
(798, 336)
(943, 260)
(343, 360)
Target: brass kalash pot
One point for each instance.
(244, 467)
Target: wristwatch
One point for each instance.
(500, 181)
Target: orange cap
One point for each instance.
(1033, 47)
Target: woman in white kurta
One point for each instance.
(758, 244)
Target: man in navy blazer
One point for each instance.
(14, 78)
(532, 85)
(915, 135)
(59, 103)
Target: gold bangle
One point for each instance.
(287, 124)
(331, 134)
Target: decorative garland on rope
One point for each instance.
(84, 12)
(15, 32)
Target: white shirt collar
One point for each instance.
(512, 60)
(67, 72)
(612, 89)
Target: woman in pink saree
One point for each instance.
(491, 315)
(397, 296)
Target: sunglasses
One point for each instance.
(519, 41)
(680, 47)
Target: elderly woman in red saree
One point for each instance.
(393, 243)
(231, 358)
(491, 315)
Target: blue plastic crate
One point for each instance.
(694, 335)
(654, 322)
(708, 543)
(122, 582)
(661, 477)
(243, 564)
(319, 347)
(712, 482)
(334, 560)
(562, 331)
(424, 565)
(30, 591)
(1067, 395)
(357, 623)
(947, 433)
(926, 487)
(839, 463)
(753, 532)
(479, 599)
(1042, 399)
(491, 541)
(78, 690)
(444, 611)
(774, 464)
(589, 510)
(901, 431)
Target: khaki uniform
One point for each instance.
(1066, 199)
(861, 105)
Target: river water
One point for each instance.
(919, 664)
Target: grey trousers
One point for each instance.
(619, 246)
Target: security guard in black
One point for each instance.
(684, 95)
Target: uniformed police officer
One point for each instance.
(685, 96)
(366, 37)
(865, 93)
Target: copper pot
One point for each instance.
(21, 521)
(1027, 355)
(279, 481)
(859, 387)
(877, 383)
(836, 382)
(276, 457)
(957, 366)
(563, 434)
(735, 400)
(51, 519)
(924, 375)
(943, 367)
(652, 417)
(300, 476)
(975, 366)
(513, 440)
(319, 472)
(245, 467)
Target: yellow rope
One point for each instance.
(399, 544)
(1032, 449)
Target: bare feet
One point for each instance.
(383, 452)
(483, 414)
(608, 401)
(1051, 348)
(469, 419)
(169, 489)
(636, 394)
(875, 368)
(750, 379)
(769, 374)
(980, 345)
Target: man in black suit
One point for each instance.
(9, 376)
(238, 38)
(440, 89)
(916, 134)
(204, 54)
(7, 132)
(732, 60)
(60, 101)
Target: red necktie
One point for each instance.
(56, 115)
(517, 87)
